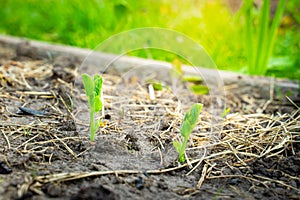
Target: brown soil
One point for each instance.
(252, 153)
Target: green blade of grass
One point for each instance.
(249, 35)
(263, 39)
(272, 32)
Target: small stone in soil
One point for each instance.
(162, 185)
(28, 111)
(52, 190)
(234, 181)
(4, 169)
(107, 116)
(139, 183)
(26, 196)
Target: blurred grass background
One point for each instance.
(215, 24)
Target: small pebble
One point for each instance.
(29, 111)
(162, 185)
(234, 181)
(107, 116)
(139, 183)
(4, 169)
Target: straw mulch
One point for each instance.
(230, 148)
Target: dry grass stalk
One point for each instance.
(243, 137)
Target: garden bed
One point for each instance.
(251, 153)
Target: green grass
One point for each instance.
(88, 23)
(263, 33)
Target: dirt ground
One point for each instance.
(251, 153)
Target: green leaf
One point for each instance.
(97, 124)
(89, 90)
(225, 112)
(190, 120)
(199, 89)
(97, 84)
(195, 112)
(177, 145)
(98, 104)
(186, 128)
(157, 85)
(192, 79)
(282, 62)
(88, 85)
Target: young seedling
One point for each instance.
(189, 122)
(225, 112)
(93, 91)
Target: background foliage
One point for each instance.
(212, 23)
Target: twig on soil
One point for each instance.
(27, 141)
(79, 175)
(161, 157)
(202, 176)
(197, 165)
(205, 172)
(292, 102)
(277, 181)
(36, 93)
(6, 139)
(243, 139)
(65, 145)
(271, 93)
(235, 152)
